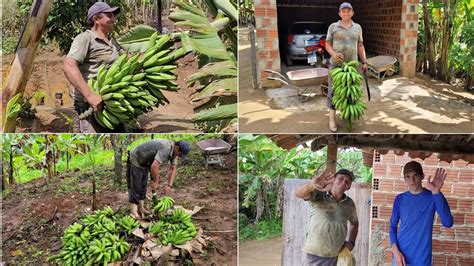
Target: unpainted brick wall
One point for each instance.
(451, 246)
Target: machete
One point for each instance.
(367, 84)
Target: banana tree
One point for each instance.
(216, 43)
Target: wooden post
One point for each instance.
(253, 56)
(25, 52)
(159, 9)
(332, 155)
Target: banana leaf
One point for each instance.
(221, 87)
(218, 113)
(136, 40)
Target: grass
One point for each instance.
(262, 230)
(78, 161)
(8, 45)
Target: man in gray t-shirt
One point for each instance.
(343, 42)
(148, 157)
(89, 51)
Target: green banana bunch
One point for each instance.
(176, 237)
(157, 228)
(347, 92)
(163, 204)
(128, 224)
(179, 215)
(132, 86)
(97, 240)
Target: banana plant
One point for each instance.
(217, 96)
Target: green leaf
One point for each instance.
(218, 113)
(220, 87)
(227, 8)
(136, 40)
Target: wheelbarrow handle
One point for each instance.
(278, 77)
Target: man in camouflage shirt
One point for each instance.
(148, 157)
(89, 51)
(330, 210)
(343, 43)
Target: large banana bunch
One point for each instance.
(132, 85)
(347, 92)
(163, 204)
(128, 224)
(174, 227)
(97, 240)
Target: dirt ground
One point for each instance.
(35, 214)
(398, 105)
(261, 252)
(48, 77)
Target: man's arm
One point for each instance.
(332, 53)
(155, 174)
(353, 231)
(304, 192)
(394, 219)
(361, 52)
(73, 74)
(441, 204)
(171, 174)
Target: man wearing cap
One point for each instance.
(414, 212)
(89, 51)
(330, 209)
(343, 43)
(148, 157)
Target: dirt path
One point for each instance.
(399, 105)
(35, 215)
(261, 252)
(47, 76)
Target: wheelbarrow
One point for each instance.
(212, 149)
(381, 64)
(303, 80)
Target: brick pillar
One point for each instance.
(408, 36)
(268, 55)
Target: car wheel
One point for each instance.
(288, 61)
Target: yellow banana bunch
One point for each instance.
(347, 92)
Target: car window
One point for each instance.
(308, 28)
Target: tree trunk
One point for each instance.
(259, 204)
(469, 84)
(10, 169)
(159, 8)
(94, 207)
(25, 52)
(429, 40)
(67, 160)
(118, 152)
(280, 200)
(446, 36)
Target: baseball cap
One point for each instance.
(184, 148)
(100, 7)
(413, 166)
(345, 5)
(345, 172)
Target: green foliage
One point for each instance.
(262, 230)
(8, 45)
(217, 57)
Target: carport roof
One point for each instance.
(308, 3)
(448, 146)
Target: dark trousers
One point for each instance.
(137, 179)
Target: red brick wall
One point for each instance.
(380, 21)
(451, 246)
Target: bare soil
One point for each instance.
(261, 252)
(47, 76)
(35, 214)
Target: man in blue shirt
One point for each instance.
(414, 210)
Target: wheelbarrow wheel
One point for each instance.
(324, 89)
(390, 72)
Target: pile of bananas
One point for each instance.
(132, 86)
(96, 239)
(347, 92)
(175, 227)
